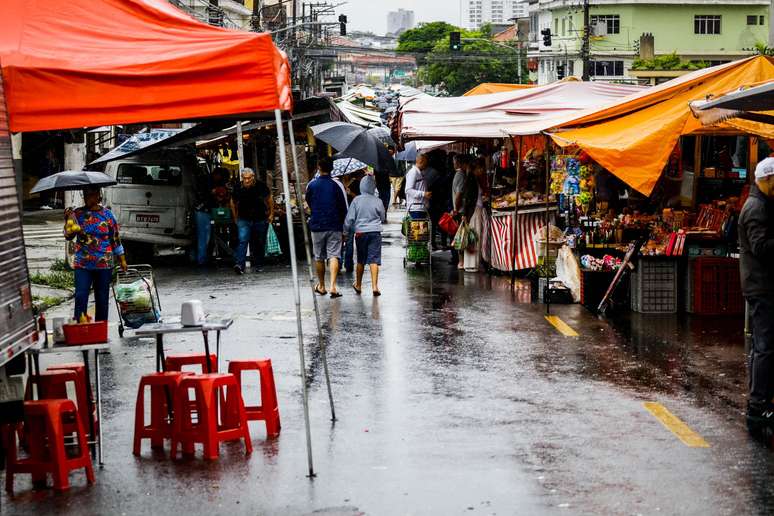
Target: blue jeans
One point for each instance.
(100, 278)
(253, 233)
(203, 231)
(348, 252)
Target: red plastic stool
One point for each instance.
(268, 410)
(46, 434)
(207, 429)
(83, 394)
(163, 389)
(52, 385)
(176, 362)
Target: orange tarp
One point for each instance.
(634, 137)
(82, 63)
(495, 87)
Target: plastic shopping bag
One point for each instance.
(136, 303)
(448, 225)
(272, 243)
(471, 239)
(405, 225)
(460, 241)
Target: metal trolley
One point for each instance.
(134, 273)
(418, 232)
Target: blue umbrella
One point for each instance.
(344, 166)
(409, 152)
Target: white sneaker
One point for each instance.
(46, 207)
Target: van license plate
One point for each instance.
(147, 218)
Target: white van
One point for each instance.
(153, 200)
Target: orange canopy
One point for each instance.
(486, 88)
(82, 63)
(634, 137)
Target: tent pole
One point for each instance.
(547, 261)
(307, 244)
(240, 147)
(296, 288)
(515, 235)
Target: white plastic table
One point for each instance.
(159, 329)
(36, 351)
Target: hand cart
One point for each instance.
(418, 231)
(130, 313)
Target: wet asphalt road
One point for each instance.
(454, 396)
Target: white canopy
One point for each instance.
(496, 115)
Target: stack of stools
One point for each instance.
(83, 393)
(52, 385)
(45, 432)
(189, 408)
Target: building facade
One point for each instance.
(476, 13)
(699, 31)
(399, 21)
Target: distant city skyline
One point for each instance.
(370, 16)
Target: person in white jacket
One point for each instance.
(416, 186)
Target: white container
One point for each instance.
(192, 313)
(58, 335)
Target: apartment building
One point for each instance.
(475, 13)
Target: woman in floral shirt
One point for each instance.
(97, 245)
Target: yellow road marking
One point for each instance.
(677, 427)
(562, 326)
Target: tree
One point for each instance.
(424, 38)
(481, 60)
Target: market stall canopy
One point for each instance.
(634, 137)
(496, 114)
(130, 61)
(354, 114)
(486, 88)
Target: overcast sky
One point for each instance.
(371, 15)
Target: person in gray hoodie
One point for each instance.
(365, 217)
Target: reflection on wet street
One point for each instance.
(454, 395)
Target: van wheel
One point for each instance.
(139, 252)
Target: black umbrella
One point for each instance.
(72, 180)
(353, 141)
(383, 135)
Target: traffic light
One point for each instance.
(343, 24)
(560, 72)
(455, 41)
(546, 37)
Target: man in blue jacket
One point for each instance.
(329, 207)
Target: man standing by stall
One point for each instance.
(756, 245)
(417, 194)
(253, 209)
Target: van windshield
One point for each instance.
(149, 174)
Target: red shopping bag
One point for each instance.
(448, 225)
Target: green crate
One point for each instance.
(417, 252)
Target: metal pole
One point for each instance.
(585, 45)
(546, 261)
(516, 213)
(296, 289)
(240, 147)
(307, 247)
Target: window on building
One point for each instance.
(752, 20)
(606, 68)
(564, 27)
(613, 22)
(760, 20)
(556, 25)
(706, 24)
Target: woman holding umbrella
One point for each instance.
(97, 246)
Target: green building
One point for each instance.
(698, 31)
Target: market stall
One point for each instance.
(516, 168)
(655, 176)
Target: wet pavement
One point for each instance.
(453, 396)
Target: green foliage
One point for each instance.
(763, 49)
(423, 38)
(667, 62)
(60, 264)
(41, 304)
(56, 279)
(480, 60)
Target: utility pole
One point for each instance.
(585, 51)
